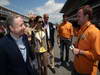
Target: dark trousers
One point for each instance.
(64, 48)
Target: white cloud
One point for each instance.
(4, 2)
(52, 8)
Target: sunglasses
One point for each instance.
(40, 22)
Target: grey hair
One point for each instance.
(10, 20)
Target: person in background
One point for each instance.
(29, 30)
(2, 30)
(15, 52)
(87, 47)
(40, 46)
(65, 34)
(50, 30)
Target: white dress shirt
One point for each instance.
(48, 30)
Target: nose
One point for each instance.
(24, 26)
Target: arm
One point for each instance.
(94, 53)
(3, 60)
(89, 55)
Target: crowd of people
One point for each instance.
(22, 44)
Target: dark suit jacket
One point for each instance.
(52, 30)
(11, 59)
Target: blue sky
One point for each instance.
(39, 7)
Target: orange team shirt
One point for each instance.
(90, 43)
(65, 30)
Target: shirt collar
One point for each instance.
(83, 27)
(86, 24)
(16, 39)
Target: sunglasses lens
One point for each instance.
(40, 22)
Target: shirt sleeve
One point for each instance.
(72, 31)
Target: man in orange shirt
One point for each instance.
(65, 33)
(87, 48)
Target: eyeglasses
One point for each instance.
(40, 22)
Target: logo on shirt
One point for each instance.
(83, 37)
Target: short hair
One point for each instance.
(10, 19)
(45, 15)
(87, 10)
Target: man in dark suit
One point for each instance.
(15, 53)
(50, 29)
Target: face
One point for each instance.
(46, 17)
(19, 27)
(81, 18)
(40, 22)
(64, 18)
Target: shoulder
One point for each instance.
(3, 41)
(25, 37)
(69, 23)
(50, 23)
(93, 31)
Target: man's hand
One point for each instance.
(76, 51)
